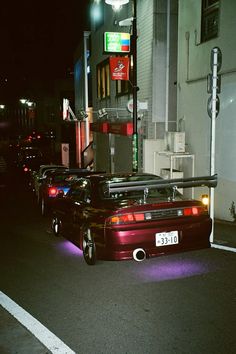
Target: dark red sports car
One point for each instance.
(125, 216)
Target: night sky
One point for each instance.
(38, 39)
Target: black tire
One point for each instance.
(89, 247)
(56, 226)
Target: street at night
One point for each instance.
(118, 177)
(183, 303)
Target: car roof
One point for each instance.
(51, 167)
(69, 171)
(99, 177)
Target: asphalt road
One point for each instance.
(184, 303)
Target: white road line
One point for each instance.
(47, 338)
(225, 248)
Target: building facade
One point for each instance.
(204, 25)
(156, 80)
(174, 46)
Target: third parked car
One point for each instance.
(37, 177)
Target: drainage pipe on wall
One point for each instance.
(167, 63)
(86, 36)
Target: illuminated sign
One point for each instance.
(125, 128)
(116, 42)
(119, 68)
(99, 127)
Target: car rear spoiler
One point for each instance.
(204, 181)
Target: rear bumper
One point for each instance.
(120, 244)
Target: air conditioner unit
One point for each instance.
(175, 141)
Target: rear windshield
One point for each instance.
(64, 178)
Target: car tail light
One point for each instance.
(205, 200)
(52, 191)
(193, 211)
(125, 218)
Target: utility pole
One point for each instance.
(135, 88)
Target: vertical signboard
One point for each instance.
(65, 158)
(65, 109)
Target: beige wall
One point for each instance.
(193, 67)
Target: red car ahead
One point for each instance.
(125, 216)
(55, 181)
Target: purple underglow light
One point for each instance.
(173, 269)
(67, 247)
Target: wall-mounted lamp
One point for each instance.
(116, 4)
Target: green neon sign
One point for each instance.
(116, 42)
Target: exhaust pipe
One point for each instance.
(139, 254)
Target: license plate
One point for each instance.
(167, 238)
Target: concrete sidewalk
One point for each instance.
(225, 233)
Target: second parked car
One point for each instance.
(57, 181)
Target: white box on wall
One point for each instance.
(175, 141)
(165, 173)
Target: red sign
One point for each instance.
(121, 128)
(101, 127)
(119, 68)
(125, 128)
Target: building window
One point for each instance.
(210, 19)
(103, 80)
(123, 87)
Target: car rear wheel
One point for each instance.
(56, 226)
(89, 247)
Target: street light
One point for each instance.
(27, 102)
(23, 100)
(115, 4)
